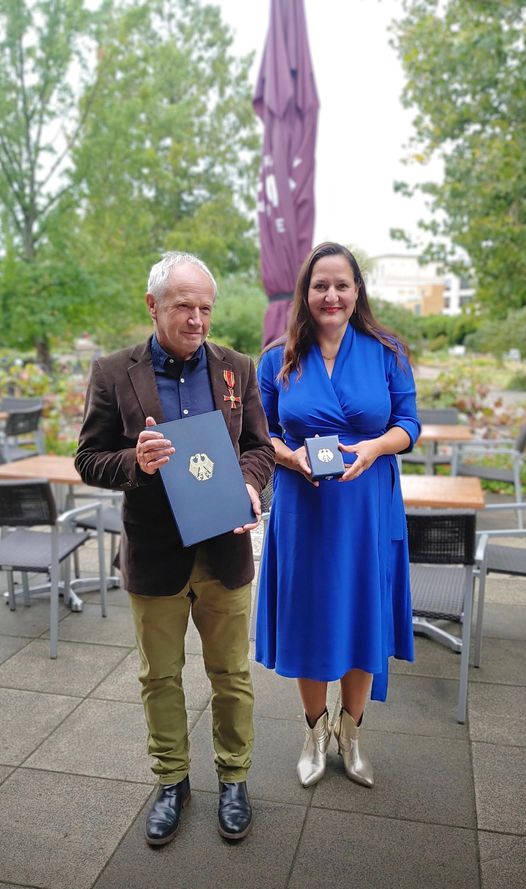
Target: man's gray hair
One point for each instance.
(161, 271)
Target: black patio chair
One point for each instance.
(25, 505)
(443, 571)
(21, 435)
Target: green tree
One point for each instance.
(44, 55)
(465, 66)
(123, 132)
(169, 155)
(498, 336)
(238, 314)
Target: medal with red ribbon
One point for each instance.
(230, 381)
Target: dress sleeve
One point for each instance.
(403, 397)
(267, 371)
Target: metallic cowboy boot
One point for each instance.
(357, 766)
(311, 764)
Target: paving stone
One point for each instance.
(122, 683)
(9, 645)
(12, 886)
(431, 659)
(27, 719)
(58, 831)
(500, 787)
(198, 858)
(418, 705)
(424, 779)
(77, 669)
(89, 626)
(505, 622)
(497, 714)
(116, 596)
(502, 860)
(344, 849)
(4, 772)
(502, 589)
(503, 661)
(106, 739)
(28, 622)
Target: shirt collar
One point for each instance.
(162, 361)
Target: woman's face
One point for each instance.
(332, 294)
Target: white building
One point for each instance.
(458, 292)
(423, 289)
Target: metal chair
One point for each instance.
(17, 403)
(443, 571)
(111, 514)
(471, 459)
(21, 435)
(28, 504)
(443, 415)
(497, 559)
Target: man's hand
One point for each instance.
(153, 450)
(256, 506)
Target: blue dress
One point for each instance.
(334, 590)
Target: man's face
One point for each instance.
(182, 316)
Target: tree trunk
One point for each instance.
(43, 353)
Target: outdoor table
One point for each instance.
(435, 433)
(442, 491)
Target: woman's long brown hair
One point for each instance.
(301, 333)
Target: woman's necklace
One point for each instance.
(328, 357)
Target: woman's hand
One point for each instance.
(298, 462)
(366, 453)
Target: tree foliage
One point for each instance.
(124, 132)
(465, 66)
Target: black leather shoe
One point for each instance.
(162, 822)
(235, 811)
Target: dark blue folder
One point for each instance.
(203, 479)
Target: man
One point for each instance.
(177, 374)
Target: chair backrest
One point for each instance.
(26, 503)
(445, 415)
(13, 403)
(266, 496)
(441, 537)
(22, 422)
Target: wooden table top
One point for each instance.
(444, 432)
(442, 491)
(55, 469)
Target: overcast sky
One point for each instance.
(362, 127)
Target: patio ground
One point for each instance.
(448, 808)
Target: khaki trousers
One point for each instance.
(222, 620)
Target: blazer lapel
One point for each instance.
(142, 379)
(217, 364)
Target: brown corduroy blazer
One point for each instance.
(121, 393)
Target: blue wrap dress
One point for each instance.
(334, 590)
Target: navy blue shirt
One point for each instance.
(184, 386)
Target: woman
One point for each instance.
(334, 594)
